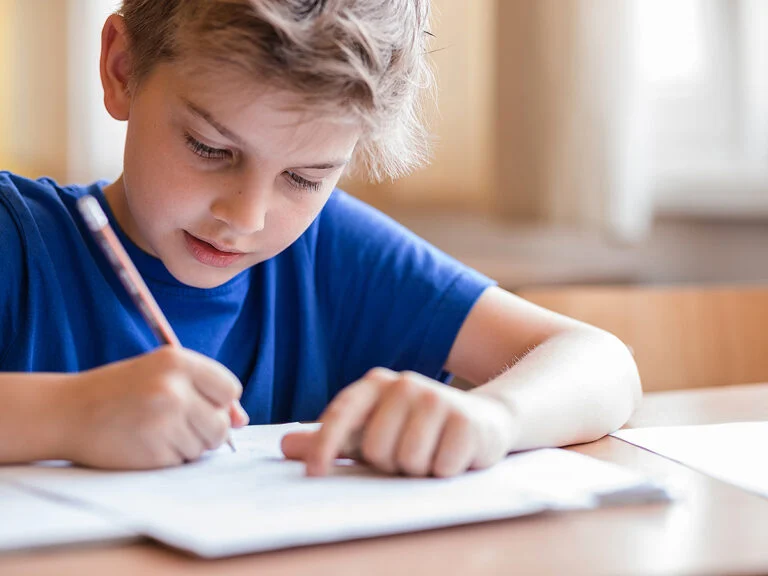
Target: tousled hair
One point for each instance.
(364, 59)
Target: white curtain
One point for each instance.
(597, 162)
(92, 132)
(754, 21)
(656, 105)
(712, 142)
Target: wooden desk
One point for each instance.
(714, 529)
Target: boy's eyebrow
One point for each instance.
(325, 165)
(226, 132)
(223, 130)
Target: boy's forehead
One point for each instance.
(229, 93)
(243, 110)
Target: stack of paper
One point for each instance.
(254, 500)
(28, 520)
(728, 452)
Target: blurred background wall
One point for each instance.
(598, 141)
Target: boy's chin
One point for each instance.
(200, 276)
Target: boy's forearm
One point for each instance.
(575, 387)
(37, 412)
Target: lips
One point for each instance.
(207, 253)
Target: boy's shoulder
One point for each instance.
(351, 210)
(349, 220)
(15, 189)
(10, 227)
(14, 206)
(36, 216)
(38, 203)
(14, 184)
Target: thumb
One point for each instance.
(298, 445)
(237, 415)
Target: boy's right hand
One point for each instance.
(160, 409)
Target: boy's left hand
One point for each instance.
(409, 424)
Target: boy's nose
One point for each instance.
(245, 213)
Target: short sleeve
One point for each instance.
(11, 271)
(391, 298)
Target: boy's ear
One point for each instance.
(116, 68)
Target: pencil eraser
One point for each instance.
(92, 213)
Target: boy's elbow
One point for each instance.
(619, 391)
(624, 380)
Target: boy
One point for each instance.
(242, 115)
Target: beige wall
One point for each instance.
(33, 100)
(7, 42)
(494, 62)
(466, 171)
(462, 175)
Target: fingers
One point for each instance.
(403, 423)
(420, 436)
(380, 438)
(345, 415)
(210, 425)
(455, 450)
(210, 378)
(160, 457)
(237, 415)
(188, 444)
(298, 445)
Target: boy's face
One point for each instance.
(217, 179)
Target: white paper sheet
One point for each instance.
(734, 453)
(28, 520)
(254, 500)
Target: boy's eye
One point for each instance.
(299, 182)
(205, 151)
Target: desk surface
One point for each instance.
(715, 528)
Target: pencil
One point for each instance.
(129, 276)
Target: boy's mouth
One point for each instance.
(210, 255)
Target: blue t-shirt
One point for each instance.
(355, 291)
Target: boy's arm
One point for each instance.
(563, 381)
(541, 380)
(159, 409)
(36, 412)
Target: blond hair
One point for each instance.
(365, 59)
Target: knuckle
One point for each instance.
(159, 426)
(378, 374)
(345, 401)
(168, 395)
(170, 359)
(430, 399)
(403, 386)
(461, 420)
(335, 410)
(411, 376)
